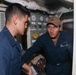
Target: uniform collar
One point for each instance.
(9, 36)
(60, 39)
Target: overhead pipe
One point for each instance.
(29, 4)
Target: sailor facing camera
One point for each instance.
(57, 46)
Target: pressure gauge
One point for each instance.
(46, 19)
(41, 18)
(33, 18)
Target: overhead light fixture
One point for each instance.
(70, 1)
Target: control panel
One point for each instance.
(37, 26)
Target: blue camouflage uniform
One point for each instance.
(10, 54)
(56, 56)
